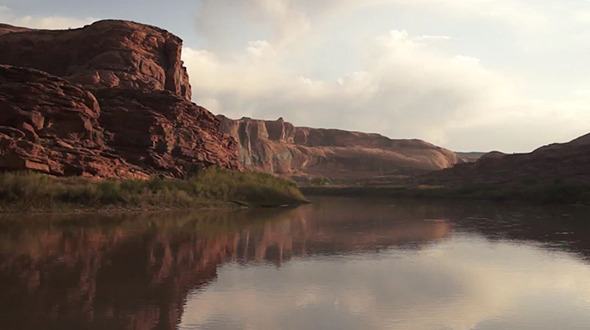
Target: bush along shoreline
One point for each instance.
(210, 188)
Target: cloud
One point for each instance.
(438, 74)
(483, 282)
(403, 89)
(37, 22)
(433, 38)
(404, 85)
(285, 21)
(582, 92)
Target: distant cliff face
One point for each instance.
(281, 148)
(105, 54)
(108, 100)
(555, 163)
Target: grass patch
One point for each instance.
(26, 191)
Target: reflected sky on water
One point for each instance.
(336, 264)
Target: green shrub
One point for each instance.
(27, 190)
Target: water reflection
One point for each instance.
(339, 263)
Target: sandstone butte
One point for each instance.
(112, 99)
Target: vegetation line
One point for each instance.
(29, 192)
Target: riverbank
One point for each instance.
(211, 188)
(535, 193)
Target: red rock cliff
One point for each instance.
(105, 54)
(281, 148)
(108, 100)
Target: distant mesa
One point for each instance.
(303, 153)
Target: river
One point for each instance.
(339, 263)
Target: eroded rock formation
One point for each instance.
(556, 163)
(301, 152)
(121, 108)
(51, 126)
(108, 100)
(161, 131)
(105, 54)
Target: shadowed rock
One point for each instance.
(105, 54)
(554, 163)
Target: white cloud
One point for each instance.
(399, 84)
(450, 71)
(483, 282)
(582, 92)
(433, 38)
(404, 90)
(37, 22)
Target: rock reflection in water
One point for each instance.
(156, 271)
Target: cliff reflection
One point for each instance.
(135, 271)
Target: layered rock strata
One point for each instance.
(108, 100)
(301, 152)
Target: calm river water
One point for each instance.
(336, 264)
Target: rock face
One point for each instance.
(102, 55)
(132, 119)
(555, 163)
(300, 152)
(162, 131)
(49, 125)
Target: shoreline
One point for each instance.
(538, 194)
(28, 192)
(119, 209)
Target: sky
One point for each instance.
(477, 75)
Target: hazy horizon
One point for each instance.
(479, 76)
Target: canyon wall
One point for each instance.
(111, 99)
(304, 153)
(105, 54)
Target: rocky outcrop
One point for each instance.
(300, 152)
(161, 131)
(555, 163)
(105, 54)
(51, 126)
(119, 108)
